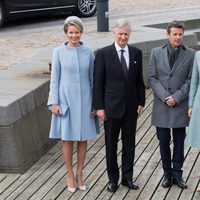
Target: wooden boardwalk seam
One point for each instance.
(46, 179)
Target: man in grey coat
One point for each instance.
(170, 69)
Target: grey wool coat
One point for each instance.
(173, 82)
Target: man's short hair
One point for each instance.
(122, 23)
(175, 24)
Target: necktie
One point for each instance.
(123, 62)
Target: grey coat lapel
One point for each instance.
(166, 59)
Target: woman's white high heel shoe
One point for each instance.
(71, 189)
(82, 187)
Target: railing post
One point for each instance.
(102, 16)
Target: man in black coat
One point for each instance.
(119, 98)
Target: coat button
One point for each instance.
(169, 88)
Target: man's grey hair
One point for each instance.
(122, 23)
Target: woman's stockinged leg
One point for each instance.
(68, 158)
(81, 154)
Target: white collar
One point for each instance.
(118, 48)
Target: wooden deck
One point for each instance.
(47, 178)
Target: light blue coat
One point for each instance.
(71, 88)
(193, 134)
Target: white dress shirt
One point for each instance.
(126, 53)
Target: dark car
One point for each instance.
(17, 8)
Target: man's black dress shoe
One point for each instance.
(180, 182)
(112, 187)
(130, 184)
(167, 182)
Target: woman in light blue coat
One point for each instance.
(193, 134)
(70, 99)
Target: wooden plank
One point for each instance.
(22, 185)
(40, 180)
(148, 91)
(27, 189)
(47, 178)
(60, 186)
(153, 183)
(175, 191)
(8, 181)
(91, 179)
(45, 187)
(146, 165)
(196, 195)
(143, 131)
(23, 178)
(104, 193)
(99, 190)
(168, 193)
(146, 113)
(28, 182)
(122, 191)
(2, 176)
(144, 137)
(51, 185)
(100, 183)
(193, 178)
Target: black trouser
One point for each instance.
(112, 130)
(177, 159)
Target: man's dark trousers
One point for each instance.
(177, 159)
(112, 129)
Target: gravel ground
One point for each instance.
(19, 41)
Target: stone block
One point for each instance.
(25, 141)
(24, 117)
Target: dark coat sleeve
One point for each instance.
(99, 81)
(140, 82)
